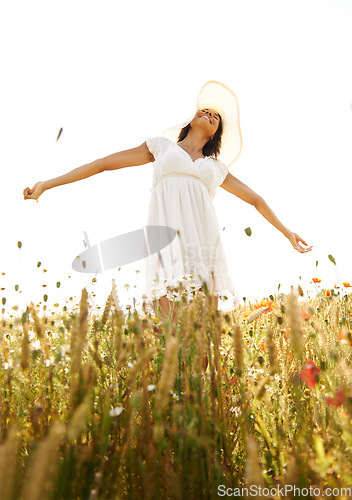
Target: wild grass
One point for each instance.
(111, 406)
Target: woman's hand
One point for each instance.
(35, 192)
(294, 239)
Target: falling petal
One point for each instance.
(332, 259)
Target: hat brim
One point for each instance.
(217, 96)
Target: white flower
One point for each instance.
(31, 334)
(174, 396)
(130, 365)
(151, 387)
(36, 344)
(8, 364)
(64, 349)
(116, 411)
(50, 361)
(236, 410)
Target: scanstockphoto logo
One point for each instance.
(284, 492)
(123, 249)
(136, 245)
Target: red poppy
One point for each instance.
(305, 315)
(269, 304)
(310, 374)
(338, 398)
(316, 280)
(346, 285)
(343, 336)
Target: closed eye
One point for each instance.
(217, 116)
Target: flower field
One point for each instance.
(116, 406)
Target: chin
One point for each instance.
(202, 123)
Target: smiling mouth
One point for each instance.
(205, 116)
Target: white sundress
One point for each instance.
(181, 196)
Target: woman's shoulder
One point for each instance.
(157, 144)
(160, 139)
(219, 163)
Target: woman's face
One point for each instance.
(208, 119)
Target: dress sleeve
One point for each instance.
(222, 172)
(156, 145)
(218, 176)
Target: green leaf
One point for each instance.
(248, 231)
(19, 244)
(58, 284)
(45, 297)
(16, 287)
(3, 301)
(39, 264)
(332, 259)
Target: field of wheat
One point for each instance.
(116, 405)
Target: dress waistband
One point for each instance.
(177, 175)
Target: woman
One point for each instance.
(190, 162)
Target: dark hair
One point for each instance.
(212, 147)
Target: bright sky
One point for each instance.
(112, 74)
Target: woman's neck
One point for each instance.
(195, 141)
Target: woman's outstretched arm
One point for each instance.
(128, 158)
(239, 189)
(294, 239)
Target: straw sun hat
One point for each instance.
(216, 95)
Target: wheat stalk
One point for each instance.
(253, 471)
(41, 473)
(274, 366)
(238, 348)
(294, 320)
(8, 454)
